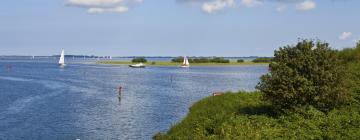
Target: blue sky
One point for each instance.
(173, 27)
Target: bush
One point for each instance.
(244, 116)
(240, 61)
(262, 60)
(350, 54)
(308, 74)
(139, 60)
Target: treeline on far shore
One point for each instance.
(219, 60)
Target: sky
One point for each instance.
(173, 27)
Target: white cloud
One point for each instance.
(119, 9)
(345, 35)
(217, 5)
(251, 3)
(306, 5)
(102, 6)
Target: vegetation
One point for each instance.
(350, 54)
(139, 60)
(248, 116)
(240, 61)
(202, 60)
(167, 63)
(262, 60)
(308, 74)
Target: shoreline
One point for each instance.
(173, 64)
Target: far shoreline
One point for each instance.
(174, 64)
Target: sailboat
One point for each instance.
(62, 58)
(185, 63)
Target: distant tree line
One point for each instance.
(139, 60)
(262, 60)
(240, 60)
(202, 60)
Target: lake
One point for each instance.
(39, 100)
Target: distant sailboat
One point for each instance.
(62, 58)
(185, 63)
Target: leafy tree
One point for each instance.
(308, 74)
(139, 60)
(350, 54)
(240, 60)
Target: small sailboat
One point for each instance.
(62, 58)
(140, 65)
(185, 63)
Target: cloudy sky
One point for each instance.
(173, 27)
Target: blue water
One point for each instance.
(39, 100)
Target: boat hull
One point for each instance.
(132, 66)
(185, 66)
(62, 65)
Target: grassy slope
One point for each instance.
(245, 116)
(166, 63)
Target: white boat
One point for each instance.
(62, 59)
(140, 65)
(185, 63)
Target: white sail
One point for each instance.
(185, 62)
(62, 58)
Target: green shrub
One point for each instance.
(262, 60)
(240, 61)
(245, 116)
(139, 60)
(350, 54)
(308, 74)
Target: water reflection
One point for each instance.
(119, 98)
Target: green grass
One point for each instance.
(167, 63)
(244, 116)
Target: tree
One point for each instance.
(350, 54)
(262, 60)
(139, 60)
(240, 60)
(308, 74)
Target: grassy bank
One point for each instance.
(244, 116)
(167, 63)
